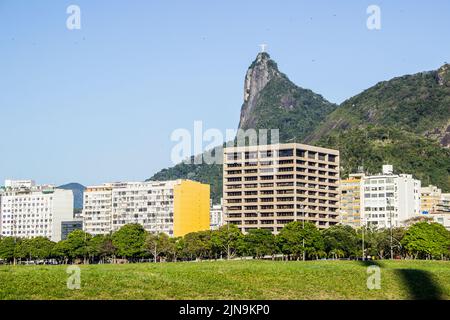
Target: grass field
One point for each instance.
(231, 280)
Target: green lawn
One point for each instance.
(230, 280)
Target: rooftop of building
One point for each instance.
(280, 146)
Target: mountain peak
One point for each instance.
(272, 101)
(262, 70)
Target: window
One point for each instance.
(285, 153)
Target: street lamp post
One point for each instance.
(304, 256)
(392, 248)
(362, 230)
(303, 226)
(390, 227)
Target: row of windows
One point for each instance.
(283, 177)
(380, 209)
(282, 153)
(280, 206)
(379, 195)
(25, 199)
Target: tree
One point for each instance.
(41, 248)
(157, 244)
(175, 248)
(129, 241)
(225, 240)
(107, 248)
(295, 240)
(38, 248)
(341, 241)
(336, 253)
(95, 246)
(8, 248)
(259, 242)
(198, 244)
(23, 249)
(78, 245)
(61, 251)
(427, 240)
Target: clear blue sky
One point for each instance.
(99, 104)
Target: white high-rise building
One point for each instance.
(147, 203)
(389, 199)
(216, 216)
(172, 207)
(97, 206)
(28, 210)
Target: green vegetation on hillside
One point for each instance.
(205, 173)
(387, 123)
(372, 147)
(417, 103)
(293, 110)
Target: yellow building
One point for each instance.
(350, 201)
(191, 207)
(174, 207)
(430, 199)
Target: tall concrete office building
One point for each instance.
(268, 186)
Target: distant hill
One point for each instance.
(404, 121)
(418, 103)
(78, 191)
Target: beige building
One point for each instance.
(430, 199)
(442, 213)
(269, 186)
(350, 201)
(443, 206)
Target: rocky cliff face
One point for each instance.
(387, 123)
(272, 101)
(258, 75)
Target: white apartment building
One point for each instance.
(147, 203)
(97, 205)
(216, 216)
(388, 199)
(110, 206)
(155, 205)
(28, 210)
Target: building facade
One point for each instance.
(97, 209)
(350, 201)
(67, 227)
(389, 199)
(430, 198)
(442, 213)
(266, 187)
(216, 214)
(443, 207)
(28, 210)
(173, 207)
